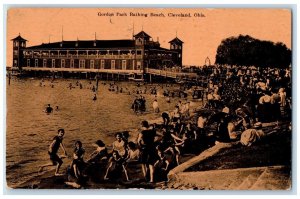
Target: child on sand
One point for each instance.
(115, 167)
(53, 149)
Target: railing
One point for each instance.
(115, 71)
(86, 56)
(169, 73)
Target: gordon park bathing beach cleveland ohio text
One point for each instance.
(150, 14)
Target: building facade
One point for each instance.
(128, 56)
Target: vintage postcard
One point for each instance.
(149, 98)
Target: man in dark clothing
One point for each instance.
(166, 118)
(222, 134)
(146, 144)
(53, 149)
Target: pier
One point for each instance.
(170, 74)
(151, 72)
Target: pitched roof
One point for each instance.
(142, 34)
(19, 38)
(176, 40)
(87, 44)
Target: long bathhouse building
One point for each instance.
(92, 57)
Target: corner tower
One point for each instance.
(19, 44)
(141, 42)
(176, 45)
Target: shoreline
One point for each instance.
(48, 181)
(152, 118)
(45, 178)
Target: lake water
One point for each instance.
(30, 131)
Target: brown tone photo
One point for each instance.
(140, 98)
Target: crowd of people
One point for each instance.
(236, 101)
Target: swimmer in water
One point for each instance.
(95, 97)
(48, 109)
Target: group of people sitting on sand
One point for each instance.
(146, 153)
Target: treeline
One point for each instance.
(248, 51)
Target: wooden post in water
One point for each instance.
(97, 82)
(9, 77)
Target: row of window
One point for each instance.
(82, 63)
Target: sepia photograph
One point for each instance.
(148, 98)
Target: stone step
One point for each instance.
(274, 178)
(249, 181)
(242, 175)
(236, 179)
(218, 179)
(272, 185)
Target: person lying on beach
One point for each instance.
(53, 149)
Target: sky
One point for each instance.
(201, 33)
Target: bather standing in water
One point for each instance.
(95, 97)
(53, 149)
(48, 109)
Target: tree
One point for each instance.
(248, 51)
